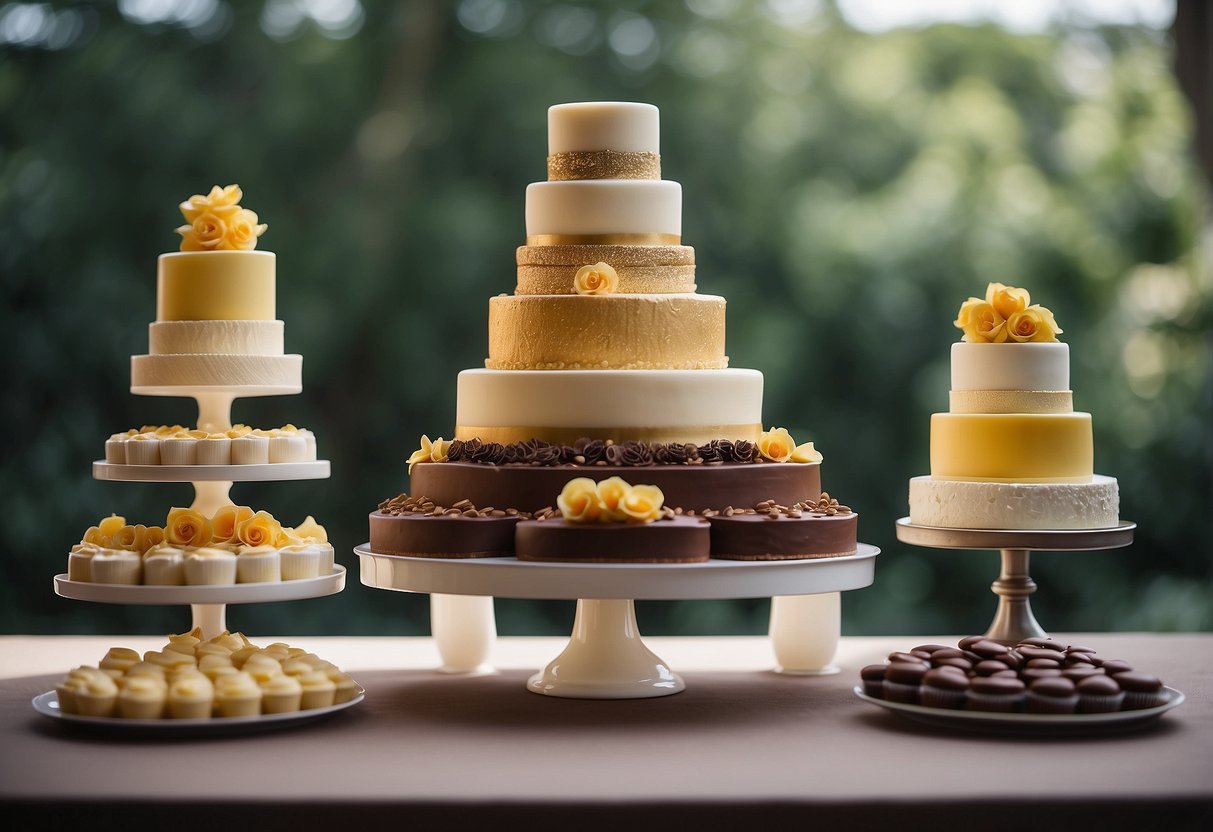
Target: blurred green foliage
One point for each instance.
(845, 191)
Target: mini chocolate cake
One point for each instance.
(783, 537)
(678, 539)
(442, 536)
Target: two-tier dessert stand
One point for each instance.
(1013, 621)
(211, 483)
(605, 657)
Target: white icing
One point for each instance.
(223, 337)
(597, 398)
(1030, 366)
(217, 371)
(604, 125)
(604, 206)
(990, 505)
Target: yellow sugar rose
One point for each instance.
(311, 531)
(598, 279)
(435, 451)
(1007, 300)
(981, 322)
(1035, 323)
(148, 536)
(578, 501)
(776, 445)
(186, 527)
(226, 521)
(806, 453)
(125, 538)
(610, 493)
(642, 503)
(95, 537)
(259, 530)
(110, 525)
(222, 202)
(243, 231)
(203, 234)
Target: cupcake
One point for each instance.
(145, 668)
(309, 439)
(191, 696)
(186, 643)
(944, 687)
(142, 697)
(115, 449)
(998, 694)
(901, 681)
(345, 688)
(258, 564)
(214, 666)
(958, 662)
(286, 446)
(967, 642)
(989, 667)
(117, 566)
(301, 560)
(118, 660)
(169, 660)
(209, 565)
(237, 695)
(1032, 674)
(250, 449)
(1077, 672)
(143, 449)
(239, 657)
(1032, 654)
(214, 449)
(318, 690)
(96, 695)
(180, 448)
(230, 640)
(1043, 642)
(280, 650)
(1141, 690)
(262, 668)
(164, 565)
(281, 694)
(75, 681)
(80, 562)
(873, 680)
(209, 648)
(1114, 667)
(988, 649)
(1099, 695)
(297, 667)
(1052, 696)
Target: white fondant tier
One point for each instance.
(216, 337)
(656, 405)
(1030, 366)
(220, 371)
(594, 207)
(990, 505)
(622, 126)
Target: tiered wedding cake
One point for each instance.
(1011, 452)
(606, 368)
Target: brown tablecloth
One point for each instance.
(740, 748)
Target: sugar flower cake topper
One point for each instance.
(216, 222)
(613, 500)
(1006, 314)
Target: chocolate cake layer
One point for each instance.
(690, 487)
(424, 535)
(672, 540)
(756, 537)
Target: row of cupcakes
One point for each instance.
(226, 676)
(241, 445)
(236, 545)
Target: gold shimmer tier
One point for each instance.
(1012, 447)
(215, 286)
(655, 269)
(622, 332)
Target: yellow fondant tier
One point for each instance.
(549, 270)
(616, 332)
(215, 286)
(1011, 401)
(1012, 447)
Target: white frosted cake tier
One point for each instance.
(622, 126)
(596, 207)
(218, 371)
(216, 337)
(991, 505)
(658, 405)
(1030, 366)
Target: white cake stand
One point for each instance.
(605, 657)
(1013, 621)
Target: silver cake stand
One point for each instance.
(1013, 621)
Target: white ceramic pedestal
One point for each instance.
(606, 657)
(465, 630)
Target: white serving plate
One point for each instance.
(47, 704)
(218, 594)
(268, 472)
(1039, 724)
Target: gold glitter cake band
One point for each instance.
(616, 255)
(1011, 401)
(645, 239)
(699, 434)
(603, 164)
(633, 280)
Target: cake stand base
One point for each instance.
(804, 632)
(464, 629)
(605, 658)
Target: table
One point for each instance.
(742, 747)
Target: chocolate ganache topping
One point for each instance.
(588, 451)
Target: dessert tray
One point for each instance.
(1029, 724)
(47, 704)
(273, 471)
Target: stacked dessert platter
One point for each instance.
(607, 452)
(215, 338)
(1012, 463)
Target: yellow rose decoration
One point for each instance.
(125, 538)
(1007, 313)
(981, 322)
(259, 530)
(1036, 323)
(110, 525)
(610, 493)
(578, 501)
(216, 222)
(598, 279)
(148, 536)
(1007, 300)
(226, 521)
(222, 202)
(95, 537)
(776, 445)
(642, 504)
(311, 531)
(243, 231)
(186, 527)
(806, 453)
(435, 451)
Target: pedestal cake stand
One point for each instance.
(1013, 621)
(605, 657)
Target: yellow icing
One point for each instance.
(215, 286)
(1012, 447)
